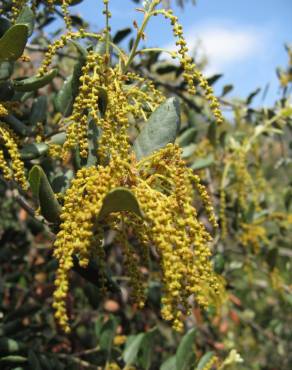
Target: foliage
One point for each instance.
(113, 157)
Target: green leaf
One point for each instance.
(121, 34)
(212, 133)
(68, 92)
(6, 91)
(8, 345)
(252, 95)
(119, 200)
(226, 89)
(4, 25)
(13, 42)
(102, 100)
(161, 129)
(107, 335)
(169, 364)
(26, 16)
(13, 359)
(185, 354)
(59, 138)
(35, 150)
(204, 360)
(203, 162)
(42, 190)
(6, 70)
(146, 350)
(34, 83)
(165, 68)
(33, 361)
(218, 263)
(133, 345)
(38, 110)
(16, 125)
(187, 137)
(64, 98)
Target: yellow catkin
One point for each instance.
(211, 363)
(3, 111)
(191, 73)
(59, 44)
(223, 218)
(253, 235)
(66, 14)
(166, 199)
(7, 138)
(16, 7)
(6, 171)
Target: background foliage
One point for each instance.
(246, 165)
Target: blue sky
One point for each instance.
(243, 39)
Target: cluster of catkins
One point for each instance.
(162, 184)
(115, 100)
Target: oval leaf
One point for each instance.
(161, 129)
(185, 354)
(169, 364)
(34, 83)
(119, 200)
(203, 162)
(42, 190)
(13, 42)
(32, 151)
(26, 17)
(132, 348)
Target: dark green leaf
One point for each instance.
(34, 83)
(102, 100)
(107, 335)
(213, 79)
(4, 25)
(132, 348)
(119, 200)
(38, 111)
(165, 68)
(6, 70)
(226, 89)
(6, 90)
(161, 129)
(9, 345)
(33, 361)
(204, 360)
(26, 16)
(16, 125)
(185, 354)
(218, 263)
(121, 34)
(13, 42)
(32, 151)
(251, 96)
(42, 190)
(212, 133)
